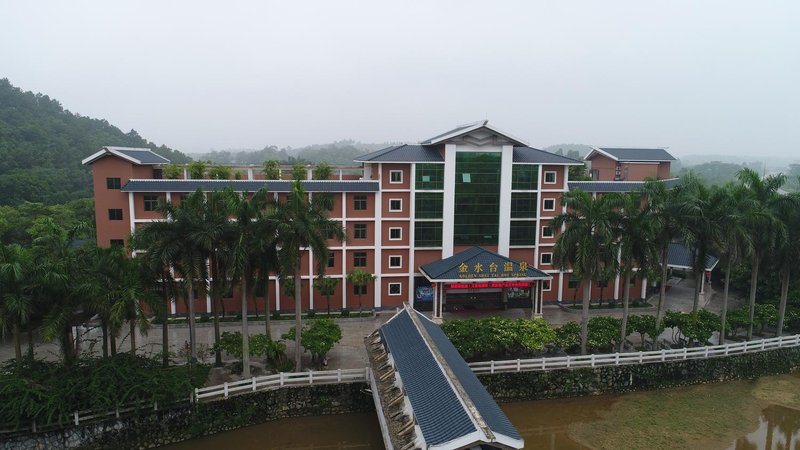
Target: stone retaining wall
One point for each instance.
(154, 429)
(508, 387)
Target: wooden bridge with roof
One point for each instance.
(426, 395)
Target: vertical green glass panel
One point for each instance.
(477, 198)
(523, 232)
(523, 205)
(428, 205)
(428, 234)
(430, 176)
(524, 176)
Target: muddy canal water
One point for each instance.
(759, 414)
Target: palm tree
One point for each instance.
(131, 298)
(327, 287)
(733, 241)
(16, 303)
(761, 221)
(264, 249)
(787, 254)
(361, 279)
(302, 223)
(243, 261)
(637, 249)
(589, 242)
(97, 287)
(176, 240)
(699, 229)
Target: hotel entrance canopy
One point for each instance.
(478, 269)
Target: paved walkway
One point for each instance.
(350, 352)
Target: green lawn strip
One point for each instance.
(706, 416)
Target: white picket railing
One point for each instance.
(619, 359)
(280, 380)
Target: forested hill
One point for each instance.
(339, 152)
(42, 145)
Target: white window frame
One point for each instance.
(398, 266)
(400, 230)
(399, 289)
(391, 172)
(548, 227)
(555, 177)
(541, 259)
(548, 285)
(394, 209)
(544, 204)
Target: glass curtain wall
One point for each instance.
(477, 198)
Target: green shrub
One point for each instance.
(498, 338)
(644, 325)
(568, 337)
(311, 313)
(604, 333)
(318, 338)
(345, 312)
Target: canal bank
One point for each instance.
(152, 429)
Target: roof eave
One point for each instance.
(476, 126)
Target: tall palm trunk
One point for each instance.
(112, 339)
(133, 334)
(245, 330)
(662, 290)
(587, 294)
(753, 287)
(68, 345)
(30, 339)
(785, 277)
(192, 341)
(267, 306)
(17, 344)
(698, 282)
(298, 320)
(626, 297)
(165, 327)
(215, 310)
(104, 329)
(724, 318)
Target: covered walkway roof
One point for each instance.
(680, 256)
(429, 396)
(477, 263)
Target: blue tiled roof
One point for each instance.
(404, 153)
(144, 155)
(456, 130)
(534, 155)
(639, 154)
(429, 381)
(617, 186)
(450, 268)
(680, 256)
(247, 185)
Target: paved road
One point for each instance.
(350, 352)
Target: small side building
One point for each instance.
(629, 164)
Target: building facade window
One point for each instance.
(395, 234)
(395, 288)
(523, 205)
(522, 232)
(360, 231)
(428, 205)
(547, 231)
(395, 176)
(360, 289)
(549, 204)
(331, 260)
(477, 198)
(550, 177)
(150, 202)
(114, 214)
(395, 261)
(546, 285)
(113, 183)
(360, 202)
(158, 174)
(525, 177)
(574, 281)
(430, 176)
(395, 204)
(546, 258)
(118, 242)
(428, 234)
(360, 259)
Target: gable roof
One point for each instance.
(404, 153)
(618, 186)
(451, 269)
(536, 156)
(468, 128)
(632, 154)
(449, 404)
(680, 256)
(138, 156)
(163, 185)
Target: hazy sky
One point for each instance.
(697, 76)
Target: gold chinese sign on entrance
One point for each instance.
(493, 270)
